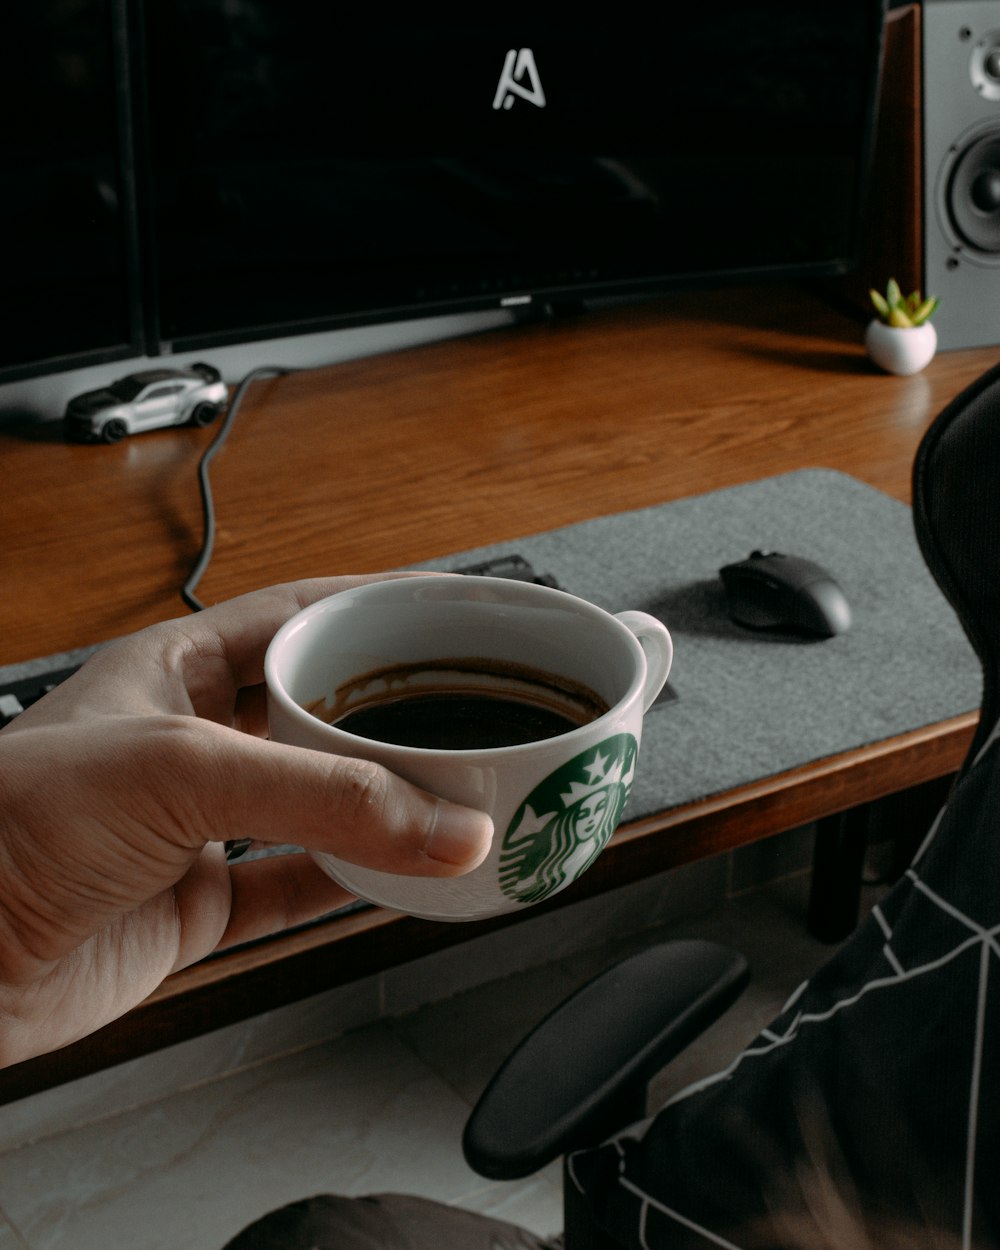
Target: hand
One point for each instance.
(118, 789)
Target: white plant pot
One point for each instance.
(901, 349)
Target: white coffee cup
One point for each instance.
(554, 801)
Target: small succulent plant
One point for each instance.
(902, 311)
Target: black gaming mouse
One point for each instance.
(769, 590)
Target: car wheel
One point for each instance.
(113, 431)
(204, 414)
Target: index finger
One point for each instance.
(196, 665)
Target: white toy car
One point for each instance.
(146, 401)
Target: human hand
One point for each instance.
(118, 790)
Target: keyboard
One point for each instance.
(19, 693)
(515, 568)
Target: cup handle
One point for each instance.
(658, 647)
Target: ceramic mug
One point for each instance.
(554, 801)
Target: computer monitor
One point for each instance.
(177, 175)
(68, 259)
(310, 166)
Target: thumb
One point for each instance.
(353, 809)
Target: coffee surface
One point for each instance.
(456, 721)
(460, 705)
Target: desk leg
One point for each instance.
(841, 843)
(838, 861)
(908, 817)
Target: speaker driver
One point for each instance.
(973, 195)
(984, 68)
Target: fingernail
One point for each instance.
(460, 835)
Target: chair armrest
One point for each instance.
(581, 1074)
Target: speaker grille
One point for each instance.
(961, 99)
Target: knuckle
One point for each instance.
(169, 740)
(361, 792)
(172, 754)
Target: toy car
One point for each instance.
(146, 401)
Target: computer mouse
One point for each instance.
(769, 590)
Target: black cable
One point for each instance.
(207, 502)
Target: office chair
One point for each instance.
(867, 1115)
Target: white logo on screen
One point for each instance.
(518, 69)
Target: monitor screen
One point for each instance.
(70, 284)
(308, 166)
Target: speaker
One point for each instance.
(961, 175)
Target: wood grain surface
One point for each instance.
(390, 460)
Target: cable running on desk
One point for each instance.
(207, 502)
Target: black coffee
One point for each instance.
(456, 722)
(459, 704)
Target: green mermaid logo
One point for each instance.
(564, 824)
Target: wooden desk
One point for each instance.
(397, 459)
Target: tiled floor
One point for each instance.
(378, 1109)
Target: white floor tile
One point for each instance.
(355, 1116)
(534, 1203)
(378, 1110)
(466, 1038)
(215, 1054)
(8, 1238)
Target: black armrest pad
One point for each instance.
(560, 1088)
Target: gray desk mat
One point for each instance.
(748, 705)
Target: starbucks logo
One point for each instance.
(563, 825)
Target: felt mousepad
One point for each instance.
(749, 705)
